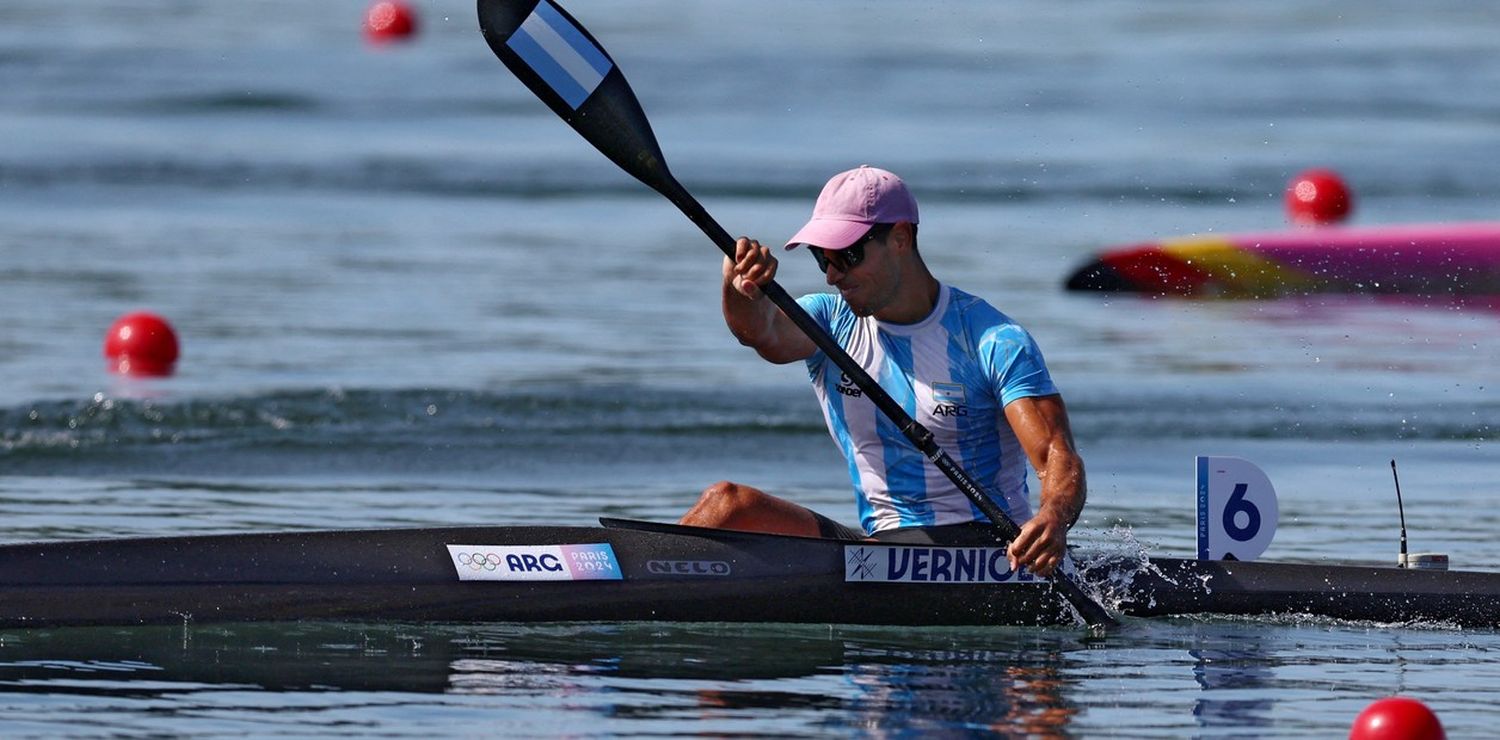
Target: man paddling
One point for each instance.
(963, 369)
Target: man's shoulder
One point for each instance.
(830, 310)
(994, 333)
(977, 312)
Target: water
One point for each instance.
(408, 295)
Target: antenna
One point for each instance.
(1401, 561)
(1421, 560)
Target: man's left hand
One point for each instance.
(1042, 544)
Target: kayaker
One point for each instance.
(963, 369)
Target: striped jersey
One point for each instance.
(953, 372)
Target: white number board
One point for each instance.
(1236, 509)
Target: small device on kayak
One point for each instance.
(1417, 560)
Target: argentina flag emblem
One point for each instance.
(949, 393)
(559, 52)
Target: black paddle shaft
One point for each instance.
(611, 118)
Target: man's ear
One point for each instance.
(901, 236)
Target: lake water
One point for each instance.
(408, 295)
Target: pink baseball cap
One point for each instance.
(851, 203)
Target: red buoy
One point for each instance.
(1318, 197)
(1397, 718)
(389, 20)
(141, 343)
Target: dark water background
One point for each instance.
(408, 295)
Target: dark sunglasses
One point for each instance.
(849, 257)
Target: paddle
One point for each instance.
(563, 65)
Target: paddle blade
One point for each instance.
(562, 63)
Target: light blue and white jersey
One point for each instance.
(953, 372)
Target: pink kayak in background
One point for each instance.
(1422, 259)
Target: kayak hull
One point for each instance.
(670, 573)
(1387, 594)
(408, 575)
(1418, 260)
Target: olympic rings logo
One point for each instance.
(478, 560)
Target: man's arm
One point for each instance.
(1041, 426)
(753, 320)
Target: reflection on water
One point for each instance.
(1229, 678)
(830, 678)
(1224, 675)
(1015, 691)
(852, 678)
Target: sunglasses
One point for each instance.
(850, 257)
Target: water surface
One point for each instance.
(408, 296)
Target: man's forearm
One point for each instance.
(750, 321)
(1064, 489)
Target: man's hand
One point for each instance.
(753, 265)
(1042, 544)
(756, 323)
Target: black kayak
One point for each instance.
(630, 571)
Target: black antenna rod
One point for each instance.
(1401, 511)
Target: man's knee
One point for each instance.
(730, 505)
(724, 504)
(730, 495)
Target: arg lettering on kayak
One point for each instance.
(594, 562)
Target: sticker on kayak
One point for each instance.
(535, 562)
(907, 564)
(1237, 509)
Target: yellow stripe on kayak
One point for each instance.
(1235, 271)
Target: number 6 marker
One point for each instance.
(1236, 509)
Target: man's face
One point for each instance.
(867, 281)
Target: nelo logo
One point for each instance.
(688, 567)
